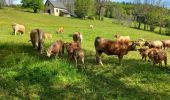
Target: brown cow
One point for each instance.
(110, 47)
(56, 48)
(18, 28)
(159, 57)
(77, 37)
(37, 39)
(166, 43)
(147, 52)
(154, 44)
(69, 47)
(75, 52)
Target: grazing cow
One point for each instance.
(37, 39)
(60, 30)
(147, 52)
(78, 54)
(18, 28)
(140, 42)
(159, 57)
(91, 26)
(47, 36)
(75, 52)
(166, 43)
(56, 48)
(110, 47)
(69, 47)
(141, 39)
(154, 44)
(78, 37)
(125, 39)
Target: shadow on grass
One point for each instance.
(24, 79)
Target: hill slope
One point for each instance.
(27, 75)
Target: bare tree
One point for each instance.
(100, 8)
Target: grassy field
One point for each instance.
(24, 74)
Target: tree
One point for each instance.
(162, 15)
(168, 27)
(100, 8)
(82, 8)
(34, 4)
(2, 3)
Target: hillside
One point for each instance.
(24, 74)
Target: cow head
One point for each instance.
(48, 53)
(132, 46)
(147, 43)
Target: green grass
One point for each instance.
(24, 74)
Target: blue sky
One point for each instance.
(167, 2)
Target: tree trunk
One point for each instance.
(152, 27)
(147, 27)
(35, 10)
(139, 25)
(144, 26)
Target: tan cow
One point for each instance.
(60, 30)
(125, 39)
(18, 28)
(47, 36)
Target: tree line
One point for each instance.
(144, 14)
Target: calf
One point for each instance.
(78, 37)
(78, 54)
(18, 28)
(70, 47)
(159, 57)
(110, 47)
(47, 36)
(125, 39)
(60, 30)
(56, 48)
(37, 39)
(140, 42)
(75, 52)
(154, 44)
(147, 52)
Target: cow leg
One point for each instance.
(145, 58)
(82, 61)
(15, 32)
(165, 61)
(98, 57)
(120, 59)
(75, 60)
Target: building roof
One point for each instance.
(57, 4)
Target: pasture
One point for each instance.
(25, 74)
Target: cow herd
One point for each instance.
(152, 50)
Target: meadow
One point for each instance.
(25, 74)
